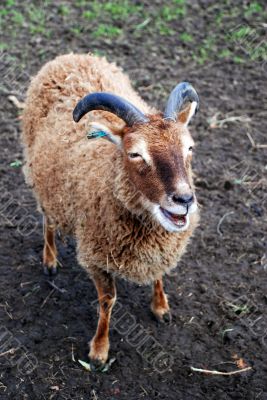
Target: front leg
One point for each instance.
(99, 346)
(159, 305)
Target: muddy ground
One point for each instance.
(218, 291)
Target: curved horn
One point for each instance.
(181, 94)
(112, 103)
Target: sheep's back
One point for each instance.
(60, 84)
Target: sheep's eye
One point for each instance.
(134, 155)
(190, 148)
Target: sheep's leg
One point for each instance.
(159, 305)
(99, 346)
(50, 250)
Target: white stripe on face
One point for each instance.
(140, 147)
(187, 142)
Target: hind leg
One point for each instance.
(50, 250)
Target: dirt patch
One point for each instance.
(218, 292)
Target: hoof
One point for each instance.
(167, 318)
(50, 271)
(162, 315)
(100, 366)
(97, 365)
(163, 318)
(98, 354)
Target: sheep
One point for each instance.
(127, 194)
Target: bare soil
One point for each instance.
(218, 291)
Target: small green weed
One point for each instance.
(105, 30)
(253, 8)
(63, 10)
(17, 18)
(225, 53)
(186, 37)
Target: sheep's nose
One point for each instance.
(185, 199)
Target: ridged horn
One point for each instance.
(181, 94)
(112, 103)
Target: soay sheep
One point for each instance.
(128, 196)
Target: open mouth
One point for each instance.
(177, 219)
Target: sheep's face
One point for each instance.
(157, 151)
(157, 159)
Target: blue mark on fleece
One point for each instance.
(96, 134)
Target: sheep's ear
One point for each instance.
(97, 130)
(187, 113)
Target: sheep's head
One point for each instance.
(157, 152)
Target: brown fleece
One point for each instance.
(82, 185)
